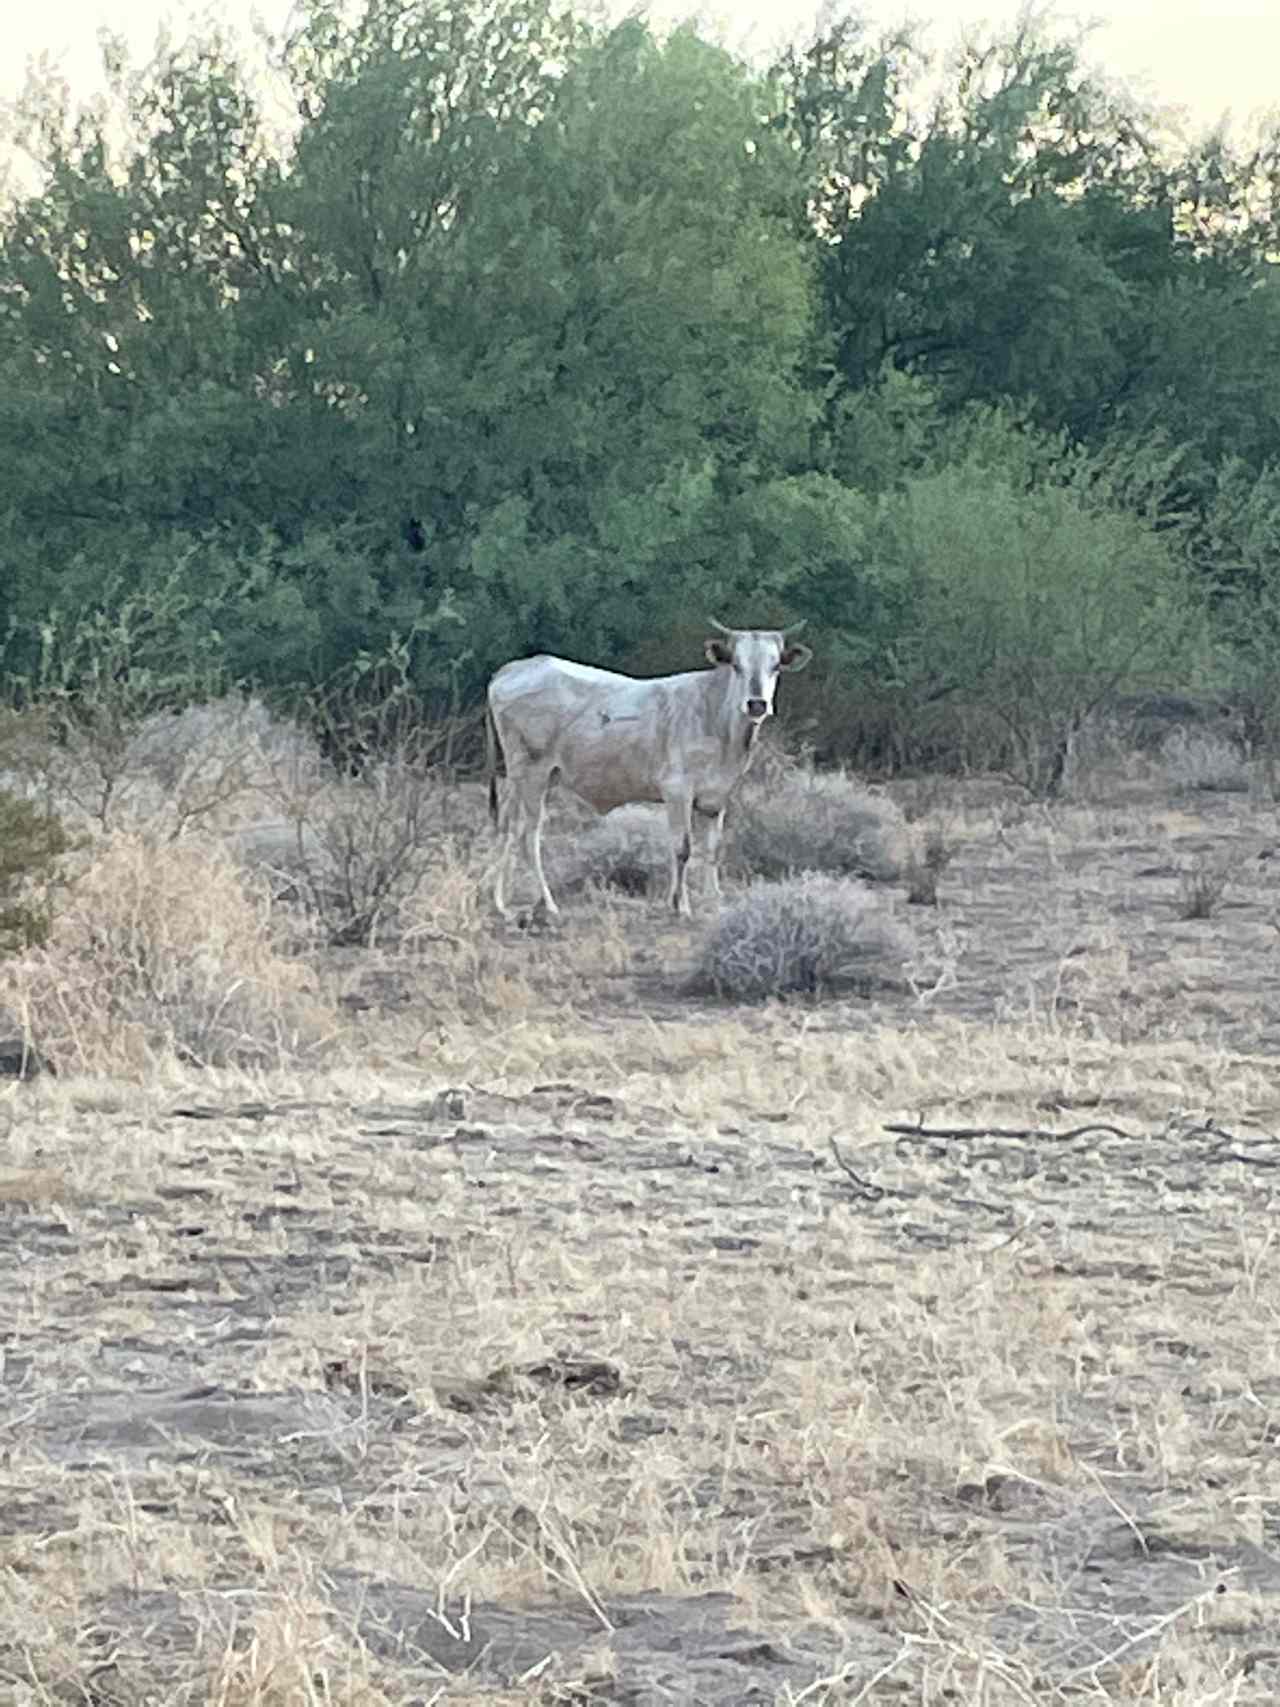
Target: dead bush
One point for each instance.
(364, 831)
(164, 947)
(1205, 763)
(814, 821)
(357, 850)
(203, 754)
(810, 935)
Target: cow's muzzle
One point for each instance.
(757, 708)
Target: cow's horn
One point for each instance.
(729, 631)
(794, 628)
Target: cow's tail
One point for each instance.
(492, 748)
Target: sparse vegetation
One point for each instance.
(814, 935)
(421, 1247)
(358, 850)
(118, 704)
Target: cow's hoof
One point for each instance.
(539, 917)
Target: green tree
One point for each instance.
(1009, 242)
(483, 355)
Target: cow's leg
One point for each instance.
(537, 813)
(528, 806)
(680, 819)
(710, 828)
(500, 874)
(527, 788)
(509, 831)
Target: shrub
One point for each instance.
(1037, 609)
(1241, 544)
(163, 947)
(629, 850)
(358, 850)
(809, 821)
(1205, 763)
(235, 729)
(173, 769)
(810, 935)
(359, 833)
(1019, 592)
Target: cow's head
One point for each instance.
(756, 655)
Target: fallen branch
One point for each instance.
(1222, 1139)
(1219, 1152)
(1239, 1156)
(902, 1130)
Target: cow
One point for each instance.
(685, 741)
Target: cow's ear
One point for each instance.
(795, 658)
(718, 652)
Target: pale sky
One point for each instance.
(1206, 59)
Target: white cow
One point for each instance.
(683, 740)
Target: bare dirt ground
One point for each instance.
(562, 1338)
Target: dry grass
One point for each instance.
(535, 1346)
(164, 947)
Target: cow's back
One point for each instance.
(534, 700)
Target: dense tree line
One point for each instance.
(530, 333)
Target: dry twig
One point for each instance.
(864, 1187)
